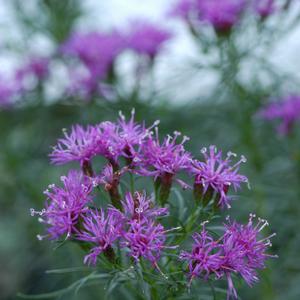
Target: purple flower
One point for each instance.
(106, 177)
(80, 145)
(264, 8)
(65, 205)
(205, 258)
(7, 93)
(108, 143)
(145, 239)
(216, 174)
(83, 85)
(108, 139)
(164, 161)
(239, 251)
(37, 67)
(287, 111)
(221, 14)
(169, 157)
(100, 230)
(131, 136)
(139, 207)
(147, 39)
(97, 51)
(183, 9)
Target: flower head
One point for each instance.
(145, 239)
(218, 174)
(168, 157)
(147, 39)
(183, 9)
(80, 145)
(101, 231)
(205, 257)
(83, 85)
(66, 205)
(286, 110)
(264, 8)
(132, 135)
(97, 51)
(244, 250)
(139, 207)
(37, 66)
(222, 15)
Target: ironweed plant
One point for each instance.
(128, 232)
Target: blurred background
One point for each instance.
(223, 74)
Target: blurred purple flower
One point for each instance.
(287, 111)
(8, 92)
(183, 9)
(264, 8)
(217, 174)
(238, 251)
(147, 39)
(221, 14)
(100, 230)
(83, 85)
(65, 205)
(37, 67)
(97, 51)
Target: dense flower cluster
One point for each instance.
(238, 251)
(287, 111)
(145, 155)
(131, 221)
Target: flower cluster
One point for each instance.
(145, 155)
(131, 222)
(107, 139)
(287, 111)
(238, 251)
